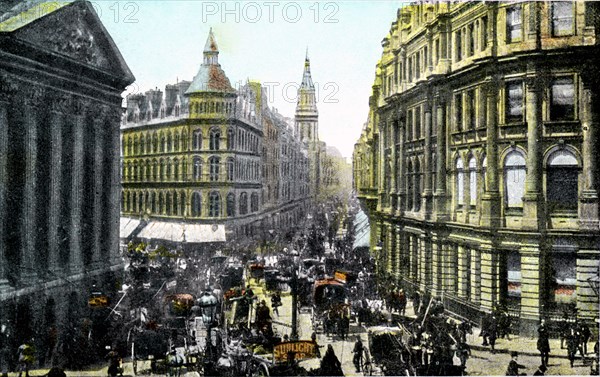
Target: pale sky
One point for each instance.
(162, 41)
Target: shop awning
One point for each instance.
(363, 231)
(127, 226)
(180, 232)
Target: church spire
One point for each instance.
(307, 82)
(211, 50)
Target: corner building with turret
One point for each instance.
(478, 164)
(208, 154)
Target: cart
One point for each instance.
(388, 353)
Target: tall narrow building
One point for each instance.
(307, 126)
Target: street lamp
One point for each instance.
(208, 307)
(296, 259)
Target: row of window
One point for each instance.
(174, 203)
(562, 171)
(177, 142)
(211, 107)
(173, 169)
(562, 20)
(561, 106)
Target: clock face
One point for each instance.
(214, 227)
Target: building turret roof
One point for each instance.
(210, 76)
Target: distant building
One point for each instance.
(478, 164)
(205, 153)
(61, 79)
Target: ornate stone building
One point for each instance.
(61, 78)
(209, 154)
(477, 164)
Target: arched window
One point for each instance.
(243, 203)
(161, 203)
(169, 146)
(214, 168)
(214, 204)
(155, 143)
(152, 200)
(473, 181)
(176, 169)
(484, 174)
(562, 181)
(230, 165)
(514, 179)
(182, 203)
(175, 204)
(197, 168)
(460, 182)
(230, 205)
(215, 136)
(196, 204)
(176, 141)
(230, 139)
(169, 170)
(197, 140)
(168, 203)
(155, 170)
(254, 202)
(161, 169)
(162, 143)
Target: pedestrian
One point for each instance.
(541, 371)
(585, 332)
(416, 302)
(572, 344)
(26, 357)
(330, 364)
(493, 333)
(275, 303)
(402, 302)
(357, 351)
(543, 345)
(514, 366)
(485, 324)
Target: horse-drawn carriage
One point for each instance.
(388, 350)
(330, 305)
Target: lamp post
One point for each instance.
(294, 334)
(208, 307)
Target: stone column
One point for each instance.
(437, 268)
(449, 267)
(399, 250)
(490, 201)
(99, 209)
(589, 212)
(475, 276)
(463, 266)
(532, 279)
(533, 205)
(112, 130)
(588, 263)
(29, 265)
(427, 191)
(392, 189)
(59, 108)
(489, 272)
(5, 98)
(75, 252)
(400, 172)
(439, 206)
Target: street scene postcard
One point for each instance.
(299, 188)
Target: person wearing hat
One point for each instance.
(541, 371)
(514, 366)
(543, 345)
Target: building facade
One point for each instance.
(61, 79)
(477, 164)
(210, 154)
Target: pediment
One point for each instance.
(75, 31)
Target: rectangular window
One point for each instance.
(562, 18)
(437, 51)
(564, 269)
(514, 102)
(513, 24)
(472, 96)
(458, 46)
(471, 48)
(562, 186)
(513, 265)
(410, 69)
(459, 111)
(515, 186)
(562, 106)
(591, 13)
(418, 64)
(484, 35)
(417, 113)
(409, 125)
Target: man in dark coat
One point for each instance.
(543, 345)
(357, 351)
(330, 364)
(514, 366)
(573, 340)
(493, 332)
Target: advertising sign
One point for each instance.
(303, 349)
